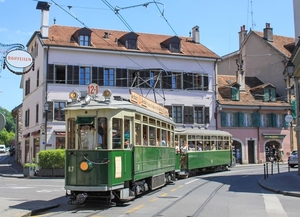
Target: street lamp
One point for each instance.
(290, 68)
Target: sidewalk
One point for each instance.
(286, 183)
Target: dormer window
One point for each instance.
(131, 44)
(235, 93)
(269, 95)
(173, 44)
(174, 47)
(82, 37)
(84, 40)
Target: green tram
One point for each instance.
(116, 149)
(205, 150)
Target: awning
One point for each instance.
(35, 133)
(26, 135)
(60, 133)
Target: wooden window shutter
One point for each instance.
(187, 81)
(188, 115)
(50, 111)
(70, 75)
(272, 95)
(94, 75)
(206, 113)
(167, 80)
(50, 73)
(76, 75)
(256, 119)
(223, 119)
(121, 77)
(169, 109)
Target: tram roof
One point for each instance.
(201, 132)
(116, 104)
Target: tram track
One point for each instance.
(201, 207)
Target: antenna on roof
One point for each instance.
(252, 23)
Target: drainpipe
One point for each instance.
(46, 97)
(258, 138)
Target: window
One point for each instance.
(84, 75)
(176, 80)
(200, 82)
(198, 115)
(133, 79)
(235, 93)
(131, 44)
(174, 47)
(279, 120)
(84, 40)
(229, 119)
(177, 114)
(109, 77)
(269, 94)
(37, 78)
(60, 74)
(27, 117)
(264, 120)
(27, 86)
(37, 113)
(154, 79)
(59, 113)
(247, 120)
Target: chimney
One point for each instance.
(44, 7)
(240, 74)
(195, 34)
(268, 33)
(242, 35)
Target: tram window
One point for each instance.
(126, 130)
(158, 137)
(116, 133)
(145, 135)
(85, 136)
(71, 133)
(102, 133)
(163, 138)
(137, 117)
(138, 134)
(152, 136)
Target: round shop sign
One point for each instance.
(288, 118)
(19, 58)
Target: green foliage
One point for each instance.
(5, 136)
(32, 165)
(10, 125)
(49, 159)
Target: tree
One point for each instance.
(6, 137)
(10, 125)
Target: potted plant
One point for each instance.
(51, 163)
(29, 169)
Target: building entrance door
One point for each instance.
(251, 151)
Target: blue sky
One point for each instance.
(219, 22)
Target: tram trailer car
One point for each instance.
(116, 149)
(207, 150)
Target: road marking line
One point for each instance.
(273, 206)
(154, 199)
(136, 208)
(191, 181)
(163, 195)
(174, 189)
(180, 186)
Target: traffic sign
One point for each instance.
(288, 118)
(92, 89)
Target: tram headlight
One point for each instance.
(74, 95)
(86, 166)
(107, 94)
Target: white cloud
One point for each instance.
(3, 29)
(1, 0)
(19, 32)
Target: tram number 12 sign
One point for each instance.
(93, 89)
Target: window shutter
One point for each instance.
(143, 76)
(188, 115)
(223, 119)
(94, 75)
(50, 73)
(273, 120)
(266, 95)
(76, 75)
(205, 80)
(187, 81)
(236, 119)
(256, 119)
(241, 119)
(207, 115)
(294, 108)
(70, 75)
(50, 112)
(235, 94)
(272, 95)
(167, 80)
(121, 77)
(169, 109)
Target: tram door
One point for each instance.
(251, 152)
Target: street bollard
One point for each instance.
(289, 168)
(272, 168)
(278, 167)
(264, 171)
(267, 169)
